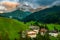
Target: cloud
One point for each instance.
(57, 3)
(32, 5)
(9, 0)
(37, 3)
(8, 3)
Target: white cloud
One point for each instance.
(37, 3)
(9, 0)
(57, 3)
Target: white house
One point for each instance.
(53, 33)
(31, 34)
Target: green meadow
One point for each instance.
(10, 28)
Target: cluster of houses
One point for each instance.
(34, 30)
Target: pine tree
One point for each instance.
(46, 36)
(27, 38)
(58, 37)
(39, 37)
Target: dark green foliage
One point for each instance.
(46, 36)
(17, 14)
(53, 38)
(58, 37)
(49, 15)
(28, 38)
(36, 23)
(39, 37)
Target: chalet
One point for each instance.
(34, 28)
(53, 33)
(43, 30)
(31, 34)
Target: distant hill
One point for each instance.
(18, 14)
(49, 15)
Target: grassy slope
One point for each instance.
(51, 26)
(11, 26)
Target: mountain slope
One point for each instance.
(47, 15)
(11, 27)
(18, 14)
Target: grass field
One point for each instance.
(50, 26)
(12, 27)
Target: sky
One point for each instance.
(42, 2)
(36, 3)
(10, 0)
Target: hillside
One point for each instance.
(18, 14)
(11, 27)
(49, 15)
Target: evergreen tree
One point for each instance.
(27, 38)
(39, 37)
(58, 37)
(36, 23)
(20, 33)
(46, 36)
